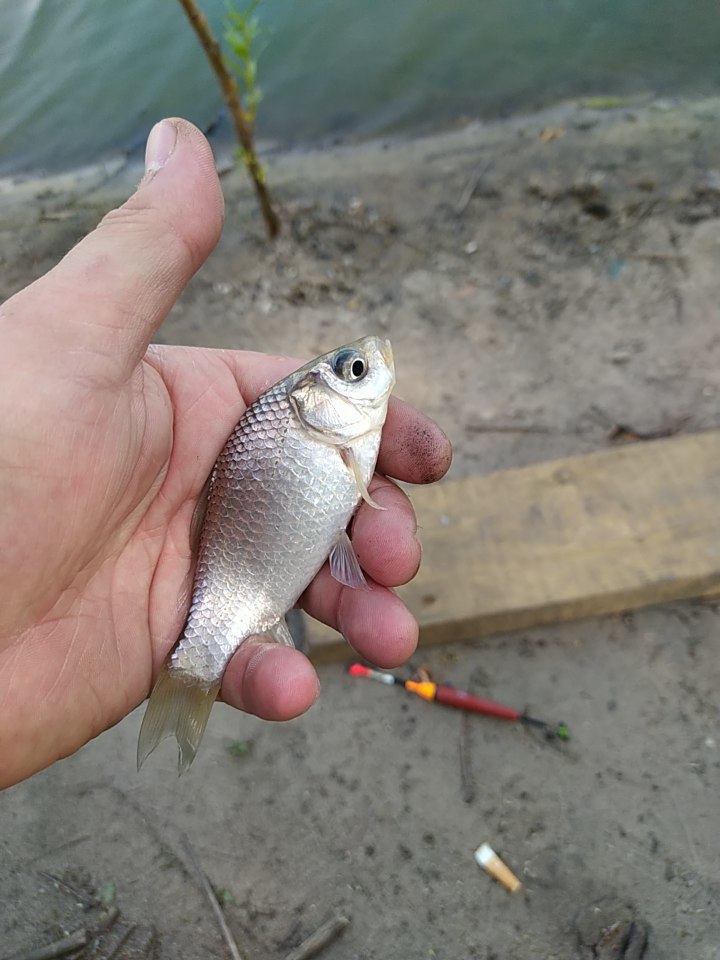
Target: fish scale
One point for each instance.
(280, 498)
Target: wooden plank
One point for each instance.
(579, 537)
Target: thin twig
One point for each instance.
(217, 910)
(467, 780)
(148, 945)
(79, 895)
(471, 186)
(688, 836)
(624, 431)
(322, 937)
(677, 299)
(107, 920)
(490, 427)
(122, 940)
(660, 257)
(63, 846)
(621, 431)
(60, 948)
(241, 121)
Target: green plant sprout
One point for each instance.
(223, 896)
(242, 33)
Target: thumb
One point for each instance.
(104, 301)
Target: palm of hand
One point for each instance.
(103, 539)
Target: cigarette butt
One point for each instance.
(487, 858)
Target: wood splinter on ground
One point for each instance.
(78, 938)
(322, 938)
(60, 948)
(121, 941)
(216, 908)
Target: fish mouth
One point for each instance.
(386, 351)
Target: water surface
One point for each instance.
(80, 79)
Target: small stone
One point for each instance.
(619, 356)
(610, 930)
(697, 213)
(544, 188)
(710, 182)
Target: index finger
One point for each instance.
(413, 447)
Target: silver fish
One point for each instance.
(279, 500)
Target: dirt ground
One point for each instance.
(542, 280)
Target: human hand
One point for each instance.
(105, 444)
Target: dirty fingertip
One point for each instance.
(414, 448)
(431, 447)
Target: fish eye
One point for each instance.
(350, 365)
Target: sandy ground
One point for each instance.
(542, 279)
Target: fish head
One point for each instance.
(344, 394)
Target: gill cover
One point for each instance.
(343, 395)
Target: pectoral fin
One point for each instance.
(351, 462)
(345, 566)
(177, 708)
(280, 633)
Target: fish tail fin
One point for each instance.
(177, 708)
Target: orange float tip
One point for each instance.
(423, 689)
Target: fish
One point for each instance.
(277, 505)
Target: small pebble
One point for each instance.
(619, 356)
